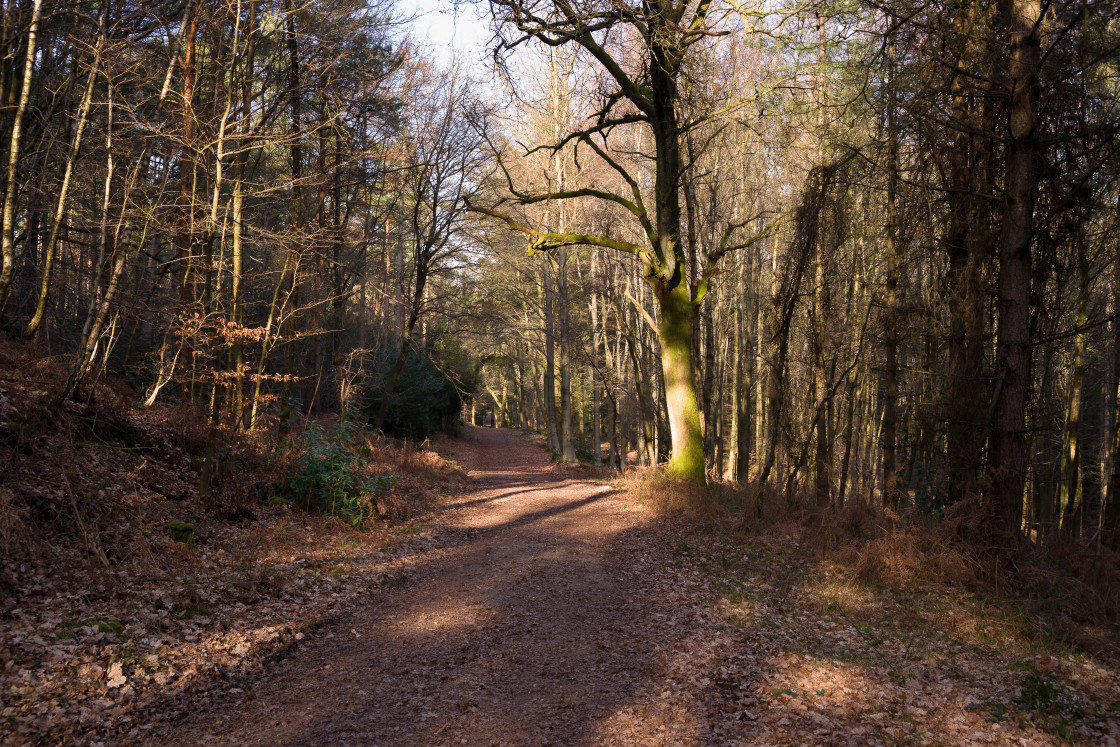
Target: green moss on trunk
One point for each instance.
(680, 387)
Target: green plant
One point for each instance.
(1050, 704)
(1055, 704)
(181, 531)
(329, 475)
(996, 711)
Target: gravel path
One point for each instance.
(549, 619)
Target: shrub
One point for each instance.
(329, 475)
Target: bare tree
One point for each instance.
(645, 93)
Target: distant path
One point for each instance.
(550, 621)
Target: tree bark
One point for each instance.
(1070, 477)
(550, 414)
(1008, 451)
(567, 444)
(7, 225)
(889, 433)
(60, 204)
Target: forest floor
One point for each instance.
(535, 605)
(555, 610)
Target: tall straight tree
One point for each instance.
(7, 229)
(1008, 451)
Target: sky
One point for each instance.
(446, 30)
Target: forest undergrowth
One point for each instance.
(887, 628)
(122, 586)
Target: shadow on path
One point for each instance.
(533, 629)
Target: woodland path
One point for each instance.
(549, 618)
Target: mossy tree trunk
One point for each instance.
(675, 334)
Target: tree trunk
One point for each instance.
(596, 383)
(1109, 519)
(1008, 462)
(1070, 478)
(967, 245)
(739, 463)
(60, 204)
(675, 334)
(295, 107)
(709, 411)
(889, 433)
(7, 229)
(549, 360)
(567, 445)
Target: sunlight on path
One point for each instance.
(545, 623)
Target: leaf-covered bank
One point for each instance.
(122, 586)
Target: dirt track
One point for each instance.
(546, 621)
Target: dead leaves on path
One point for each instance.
(77, 659)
